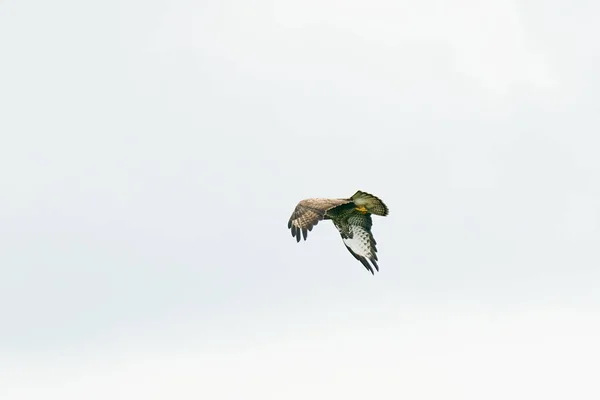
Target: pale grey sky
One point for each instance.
(152, 152)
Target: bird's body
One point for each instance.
(351, 217)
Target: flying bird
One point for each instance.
(351, 217)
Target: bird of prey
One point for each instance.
(351, 217)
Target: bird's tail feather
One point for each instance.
(372, 203)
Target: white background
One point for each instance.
(152, 152)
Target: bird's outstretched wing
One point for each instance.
(309, 212)
(358, 238)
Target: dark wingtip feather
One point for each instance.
(366, 264)
(374, 262)
(304, 232)
(363, 261)
(289, 224)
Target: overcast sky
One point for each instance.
(153, 151)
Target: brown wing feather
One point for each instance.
(309, 212)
